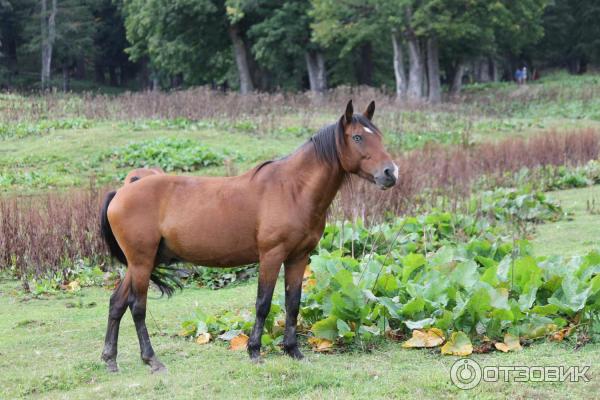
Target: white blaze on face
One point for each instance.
(395, 170)
(367, 129)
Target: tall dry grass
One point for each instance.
(46, 233)
(202, 103)
(439, 173)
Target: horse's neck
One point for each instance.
(315, 183)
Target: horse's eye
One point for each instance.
(357, 138)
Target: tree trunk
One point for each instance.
(433, 71)
(65, 76)
(112, 75)
(416, 70)
(399, 71)
(99, 73)
(484, 70)
(459, 72)
(241, 60)
(317, 77)
(495, 72)
(365, 68)
(48, 33)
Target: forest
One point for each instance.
(414, 49)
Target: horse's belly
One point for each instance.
(213, 243)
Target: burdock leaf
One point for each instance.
(511, 343)
(326, 328)
(425, 338)
(459, 344)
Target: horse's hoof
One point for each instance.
(295, 353)
(111, 366)
(255, 357)
(156, 367)
(257, 360)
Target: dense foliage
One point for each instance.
(299, 44)
(168, 153)
(464, 277)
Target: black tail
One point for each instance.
(166, 277)
(109, 238)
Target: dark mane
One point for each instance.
(326, 141)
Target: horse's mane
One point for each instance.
(327, 140)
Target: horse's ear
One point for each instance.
(370, 110)
(349, 113)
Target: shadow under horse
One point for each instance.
(273, 214)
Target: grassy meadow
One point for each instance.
(55, 146)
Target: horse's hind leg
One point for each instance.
(117, 307)
(140, 280)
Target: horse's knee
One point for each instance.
(263, 306)
(138, 309)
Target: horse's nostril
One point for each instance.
(388, 172)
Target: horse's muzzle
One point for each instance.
(387, 177)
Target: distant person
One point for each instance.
(524, 75)
(519, 76)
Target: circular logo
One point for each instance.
(465, 373)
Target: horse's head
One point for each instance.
(362, 152)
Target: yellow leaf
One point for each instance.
(203, 338)
(320, 345)
(73, 286)
(240, 342)
(561, 334)
(425, 338)
(307, 272)
(459, 344)
(309, 283)
(511, 343)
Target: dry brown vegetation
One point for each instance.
(448, 174)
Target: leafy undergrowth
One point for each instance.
(168, 153)
(466, 283)
(24, 129)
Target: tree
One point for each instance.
(282, 43)
(186, 38)
(110, 42)
(48, 36)
(572, 34)
(353, 26)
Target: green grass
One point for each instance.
(51, 351)
(577, 234)
(66, 158)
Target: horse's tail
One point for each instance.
(166, 277)
(107, 233)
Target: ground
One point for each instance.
(577, 234)
(51, 348)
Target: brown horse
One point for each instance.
(275, 213)
(139, 173)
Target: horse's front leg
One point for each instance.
(270, 264)
(294, 272)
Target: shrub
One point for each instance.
(168, 153)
